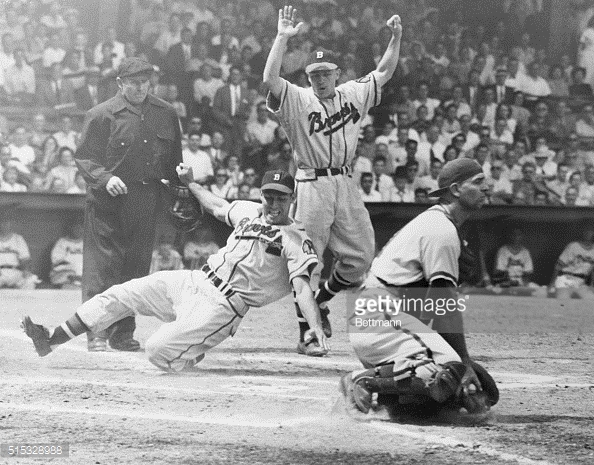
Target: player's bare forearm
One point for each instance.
(387, 65)
(309, 308)
(213, 204)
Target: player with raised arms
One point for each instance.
(267, 256)
(322, 124)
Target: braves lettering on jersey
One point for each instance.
(260, 260)
(324, 132)
(425, 249)
(577, 259)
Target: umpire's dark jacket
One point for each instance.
(140, 145)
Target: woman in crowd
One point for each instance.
(66, 170)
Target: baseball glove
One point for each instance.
(487, 383)
(184, 211)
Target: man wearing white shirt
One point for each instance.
(260, 133)
(433, 148)
(20, 79)
(6, 53)
(365, 189)
(424, 99)
(401, 191)
(499, 184)
(66, 136)
(515, 73)
(197, 159)
(532, 85)
(19, 148)
(471, 138)
(396, 150)
(226, 28)
(53, 53)
(206, 86)
(429, 181)
(170, 36)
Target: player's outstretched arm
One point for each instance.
(214, 205)
(387, 65)
(286, 29)
(309, 308)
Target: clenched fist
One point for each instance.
(395, 25)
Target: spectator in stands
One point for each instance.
(546, 168)
(563, 120)
(501, 138)
(541, 123)
(65, 170)
(424, 99)
(66, 136)
(259, 134)
(165, 257)
(558, 83)
(451, 125)
(405, 104)
(67, 259)
(53, 52)
(542, 199)
(12, 24)
(15, 259)
(49, 153)
(198, 159)
(500, 187)
(518, 111)
(382, 183)
(73, 71)
(365, 189)
(6, 54)
(528, 184)
(574, 155)
(195, 124)
(579, 89)
(10, 182)
(170, 36)
(206, 86)
(174, 100)
(586, 51)
(199, 249)
(470, 138)
(81, 47)
(575, 181)
(19, 81)
(216, 152)
(559, 185)
(38, 133)
(588, 185)
(117, 48)
(533, 86)
(56, 90)
(401, 190)
(571, 197)
(574, 268)
(34, 45)
(429, 181)
(20, 148)
(422, 195)
(53, 19)
(222, 184)
(80, 186)
(584, 127)
(513, 265)
(452, 152)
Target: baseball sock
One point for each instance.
(71, 328)
(330, 288)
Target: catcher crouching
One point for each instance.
(406, 324)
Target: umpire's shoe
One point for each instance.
(39, 334)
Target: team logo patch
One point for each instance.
(308, 247)
(277, 177)
(319, 55)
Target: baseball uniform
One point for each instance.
(201, 308)
(577, 264)
(324, 135)
(13, 250)
(425, 249)
(517, 265)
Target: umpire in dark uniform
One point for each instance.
(129, 143)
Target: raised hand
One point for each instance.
(286, 22)
(395, 25)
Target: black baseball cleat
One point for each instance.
(125, 345)
(39, 334)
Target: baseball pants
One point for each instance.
(197, 315)
(569, 285)
(334, 216)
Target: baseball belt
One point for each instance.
(311, 174)
(221, 285)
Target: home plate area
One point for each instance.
(254, 400)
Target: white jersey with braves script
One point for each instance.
(260, 260)
(516, 264)
(425, 249)
(324, 132)
(576, 259)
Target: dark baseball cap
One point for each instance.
(321, 59)
(455, 172)
(134, 66)
(278, 181)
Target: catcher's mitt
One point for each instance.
(487, 383)
(184, 211)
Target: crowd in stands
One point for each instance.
(487, 91)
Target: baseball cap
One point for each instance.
(278, 181)
(321, 59)
(455, 171)
(135, 66)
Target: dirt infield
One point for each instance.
(255, 401)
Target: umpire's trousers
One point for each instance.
(118, 244)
